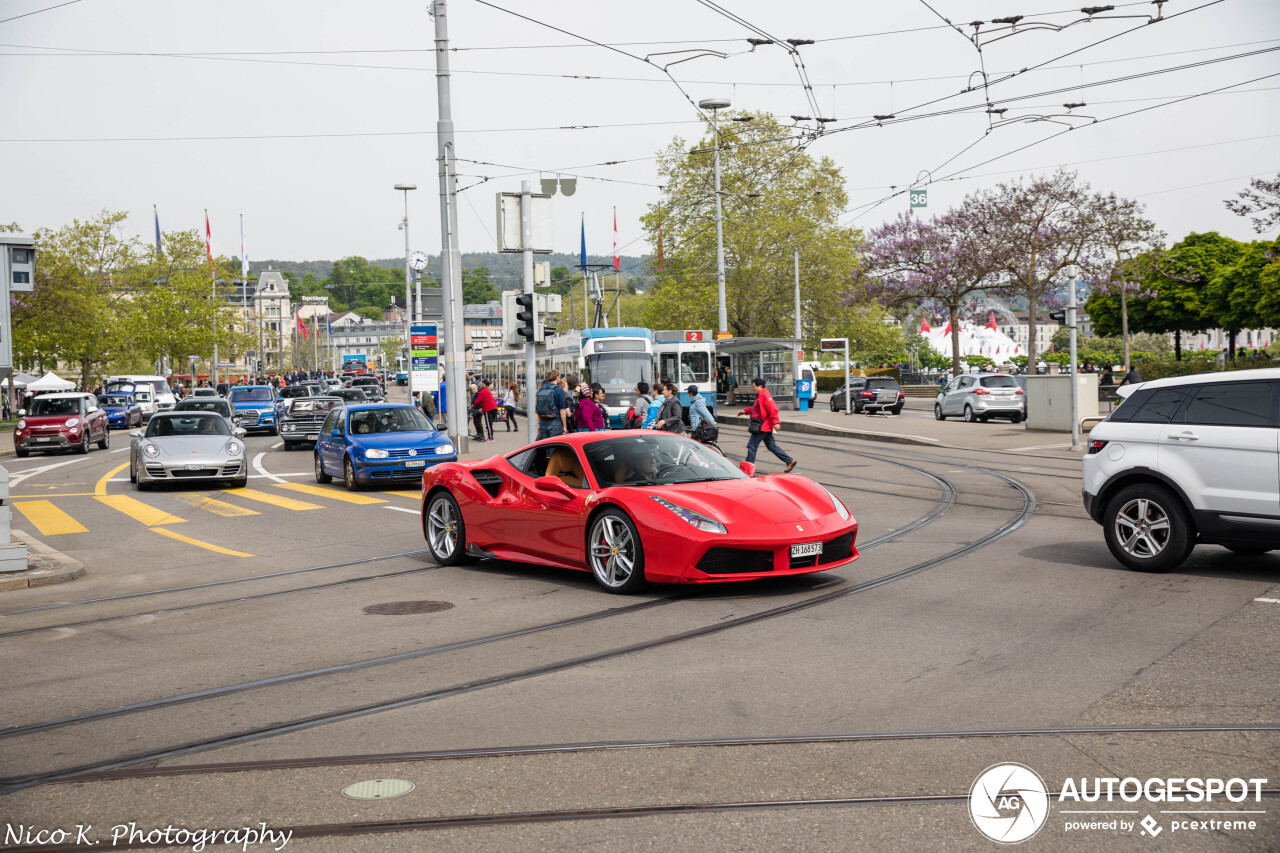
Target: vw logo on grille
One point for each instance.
(413, 453)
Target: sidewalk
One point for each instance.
(917, 426)
(44, 565)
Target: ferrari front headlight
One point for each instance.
(840, 507)
(697, 519)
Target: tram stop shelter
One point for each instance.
(772, 359)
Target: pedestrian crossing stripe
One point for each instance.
(216, 506)
(416, 494)
(48, 519)
(208, 546)
(348, 497)
(274, 500)
(139, 511)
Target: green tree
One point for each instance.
(477, 286)
(1241, 295)
(777, 198)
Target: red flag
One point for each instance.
(991, 323)
(924, 326)
(208, 243)
(616, 265)
(302, 327)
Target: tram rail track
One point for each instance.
(330, 717)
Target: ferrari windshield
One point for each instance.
(405, 419)
(656, 460)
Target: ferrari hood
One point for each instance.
(772, 500)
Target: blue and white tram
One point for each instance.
(616, 358)
(688, 357)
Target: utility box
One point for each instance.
(1049, 400)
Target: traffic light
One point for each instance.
(1060, 316)
(527, 325)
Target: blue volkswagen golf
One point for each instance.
(379, 443)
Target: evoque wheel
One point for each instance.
(615, 553)
(1148, 529)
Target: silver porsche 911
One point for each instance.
(183, 446)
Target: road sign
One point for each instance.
(424, 358)
(834, 344)
(919, 198)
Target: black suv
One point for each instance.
(864, 389)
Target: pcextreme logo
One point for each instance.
(1009, 803)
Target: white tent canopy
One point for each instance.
(975, 340)
(22, 380)
(50, 382)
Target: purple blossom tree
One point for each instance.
(1262, 197)
(911, 260)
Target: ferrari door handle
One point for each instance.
(1185, 436)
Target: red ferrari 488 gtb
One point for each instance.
(632, 507)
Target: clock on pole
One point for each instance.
(418, 260)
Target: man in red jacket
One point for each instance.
(486, 409)
(765, 411)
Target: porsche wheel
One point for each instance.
(444, 530)
(615, 553)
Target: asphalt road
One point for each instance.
(984, 600)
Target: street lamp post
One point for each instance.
(1075, 382)
(408, 272)
(715, 105)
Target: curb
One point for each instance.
(824, 429)
(44, 565)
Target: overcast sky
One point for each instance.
(303, 114)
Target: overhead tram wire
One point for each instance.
(38, 11)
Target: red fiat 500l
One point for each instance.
(61, 421)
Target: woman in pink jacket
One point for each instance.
(589, 414)
(765, 411)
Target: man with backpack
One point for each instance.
(552, 407)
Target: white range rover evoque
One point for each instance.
(1186, 461)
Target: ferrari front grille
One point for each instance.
(735, 561)
(837, 549)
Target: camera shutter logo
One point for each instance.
(1008, 803)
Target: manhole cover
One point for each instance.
(377, 789)
(405, 608)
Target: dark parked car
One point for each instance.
(301, 421)
(864, 389)
(350, 395)
(217, 405)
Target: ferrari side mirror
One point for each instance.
(747, 468)
(554, 484)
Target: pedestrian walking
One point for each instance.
(640, 410)
(764, 423)
(670, 415)
(551, 406)
(509, 401)
(589, 414)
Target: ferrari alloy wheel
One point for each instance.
(321, 476)
(615, 553)
(444, 530)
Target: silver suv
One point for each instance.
(980, 397)
(1186, 461)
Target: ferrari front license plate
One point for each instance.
(416, 463)
(806, 549)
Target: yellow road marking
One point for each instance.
(101, 488)
(55, 495)
(274, 500)
(164, 531)
(416, 494)
(148, 515)
(216, 506)
(330, 493)
(48, 519)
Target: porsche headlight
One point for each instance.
(233, 448)
(375, 453)
(840, 507)
(151, 450)
(444, 449)
(698, 520)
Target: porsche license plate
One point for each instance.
(806, 549)
(416, 463)
(194, 466)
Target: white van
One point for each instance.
(161, 394)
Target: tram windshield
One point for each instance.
(619, 371)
